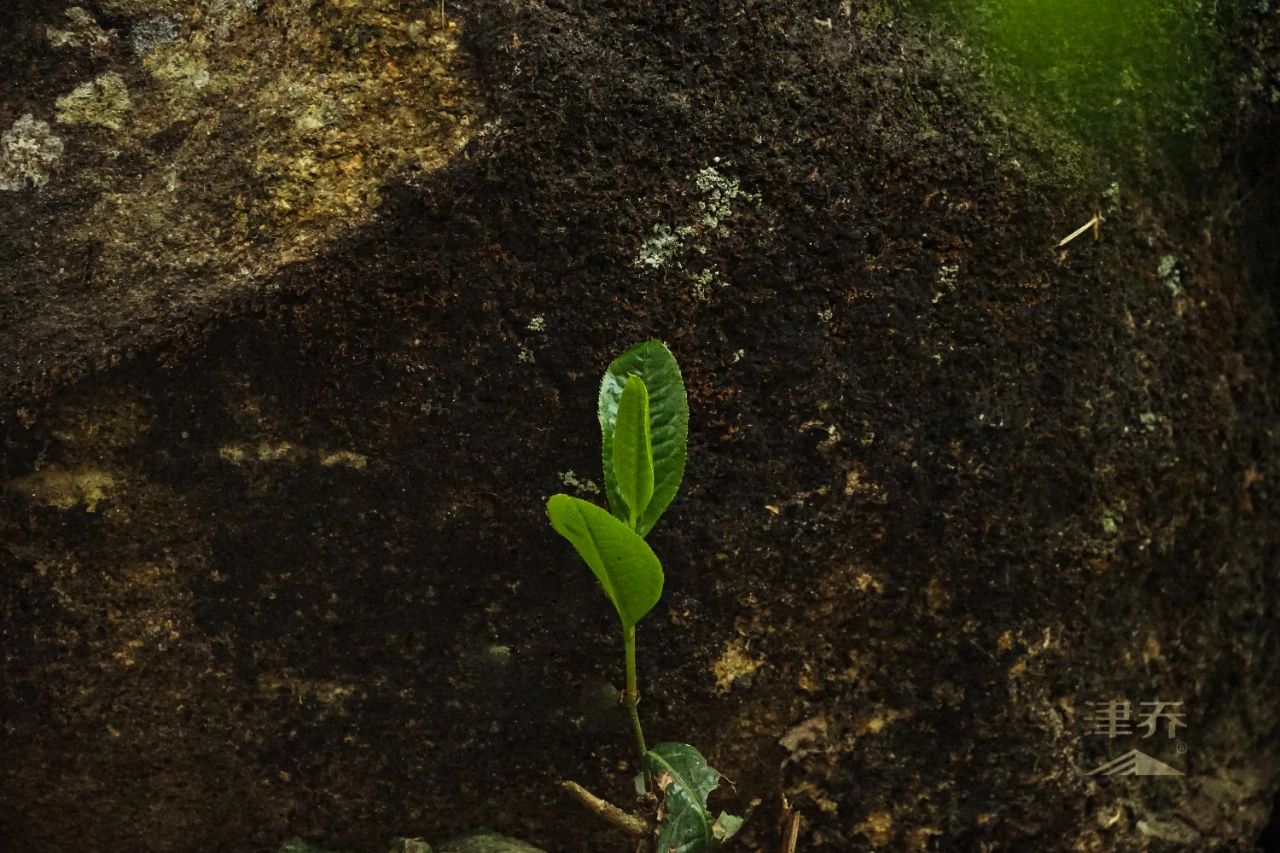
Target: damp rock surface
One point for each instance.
(223, 141)
(293, 356)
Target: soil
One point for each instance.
(276, 561)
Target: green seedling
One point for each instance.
(644, 427)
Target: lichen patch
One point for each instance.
(877, 826)
(102, 101)
(64, 488)
(28, 151)
(150, 33)
(332, 694)
(344, 459)
(81, 30)
(264, 451)
(573, 481)
(711, 206)
(733, 664)
(287, 451)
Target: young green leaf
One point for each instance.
(668, 425)
(633, 449)
(686, 780)
(624, 563)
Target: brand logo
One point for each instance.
(1118, 718)
(1135, 763)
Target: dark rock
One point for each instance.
(280, 424)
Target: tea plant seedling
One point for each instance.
(644, 426)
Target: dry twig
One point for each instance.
(1095, 223)
(790, 827)
(632, 824)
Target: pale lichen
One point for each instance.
(134, 8)
(328, 693)
(946, 278)
(344, 459)
(573, 481)
(663, 245)
(734, 663)
(1170, 275)
(877, 826)
(264, 451)
(28, 150)
(64, 488)
(81, 31)
(150, 33)
(716, 195)
(703, 282)
(1110, 521)
(287, 451)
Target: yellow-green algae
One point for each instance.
(1124, 80)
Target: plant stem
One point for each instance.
(632, 694)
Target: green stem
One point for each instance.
(632, 694)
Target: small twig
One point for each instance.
(632, 824)
(1094, 223)
(443, 22)
(790, 827)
